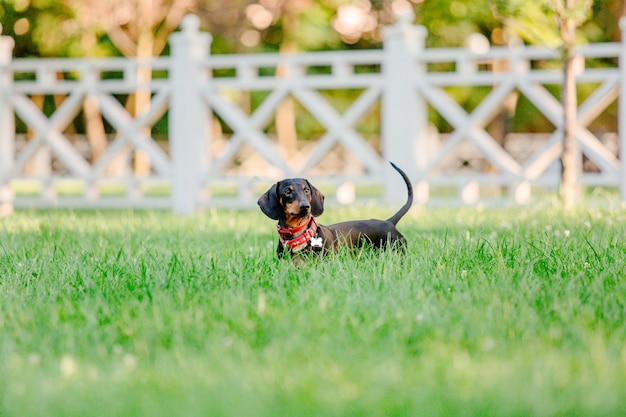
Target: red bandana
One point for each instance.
(301, 240)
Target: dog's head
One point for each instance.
(292, 200)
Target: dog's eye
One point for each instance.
(288, 191)
(307, 190)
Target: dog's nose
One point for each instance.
(304, 206)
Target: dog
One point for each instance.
(295, 203)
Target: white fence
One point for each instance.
(398, 86)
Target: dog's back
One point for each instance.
(373, 231)
(359, 232)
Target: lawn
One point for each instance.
(490, 312)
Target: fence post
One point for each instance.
(7, 125)
(188, 115)
(404, 111)
(621, 119)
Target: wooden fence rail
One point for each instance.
(209, 131)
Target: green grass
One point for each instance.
(494, 312)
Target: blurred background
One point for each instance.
(83, 28)
(141, 29)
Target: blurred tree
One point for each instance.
(141, 27)
(554, 23)
(288, 26)
(23, 21)
(137, 28)
(41, 27)
(450, 22)
(226, 21)
(602, 25)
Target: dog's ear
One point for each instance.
(270, 204)
(317, 201)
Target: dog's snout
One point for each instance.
(305, 205)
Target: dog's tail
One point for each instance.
(405, 208)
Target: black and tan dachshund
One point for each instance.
(295, 203)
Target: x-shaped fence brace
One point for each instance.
(248, 129)
(48, 132)
(130, 131)
(472, 126)
(339, 127)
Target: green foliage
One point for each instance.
(449, 22)
(51, 29)
(489, 312)
(538, 21)
(314, 31)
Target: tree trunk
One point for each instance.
(145, 47)
(570, 158)
(500, 127)
(94, 128)
(40, 163)
(285, 112)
